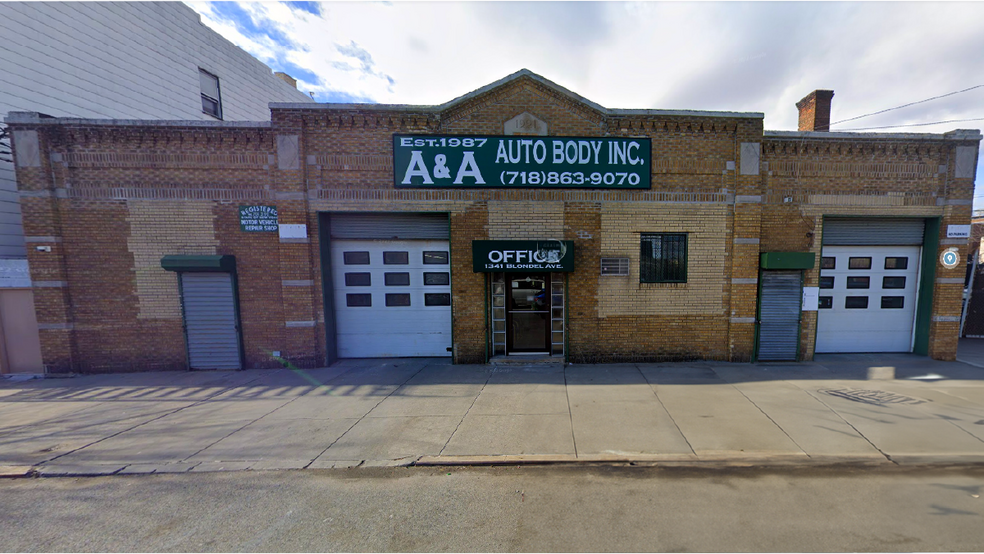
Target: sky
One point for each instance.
(732, 56)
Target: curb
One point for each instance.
(787, 461)
(568, 460)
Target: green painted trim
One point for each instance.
(488, 318)
(184, 323)
(758, 316)
(187, 263)
(239, 321)
(787, 260)
(567, 304)
(451, 282)
(327, 287)
(799, 322)
(927, 281)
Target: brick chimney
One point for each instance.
(814, 111)
(286, 78)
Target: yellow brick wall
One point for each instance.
(707, 236)
(526, 220)
(158, 229)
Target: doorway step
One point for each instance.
(531, 359)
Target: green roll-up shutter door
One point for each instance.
(886, 231)
(779, 315)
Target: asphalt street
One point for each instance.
(531, 508)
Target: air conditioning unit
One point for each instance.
(615, 266)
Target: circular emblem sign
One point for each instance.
(949, 258)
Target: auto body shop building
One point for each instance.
(519, 219)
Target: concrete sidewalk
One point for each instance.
(870, 409)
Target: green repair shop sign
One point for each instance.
(513, 256)
(258, 219)
(457, 161)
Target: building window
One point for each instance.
(663, 258)
(211, 101)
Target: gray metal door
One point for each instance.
(210, 320)
(389, 226)
(881, 231)
(779, 315)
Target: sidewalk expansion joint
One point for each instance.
(365, 415)
(570, 411)
(668, 414)
(848, 423)
(759, 408)
(470, 406)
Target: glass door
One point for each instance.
(528, 312)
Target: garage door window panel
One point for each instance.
(856, 302)
(828, 262)
(438, 299)
(358, 279)
(358, 300)
(897, 263)
(858, 282)
(397, 279)
(355, 258)
(859, 263)
(437, 278)
(435, 257)
(396, 258)
(892, 302)
(397, 300)
(893, 282)
(826, 282)
(826, 302)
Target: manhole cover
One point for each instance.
(876, 397)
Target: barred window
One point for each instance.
(663, 258)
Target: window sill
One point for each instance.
(644, 286)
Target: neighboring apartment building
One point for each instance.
(517, 220)
(117, 60)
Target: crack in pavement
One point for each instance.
(472, 405)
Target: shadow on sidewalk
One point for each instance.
(383, 377)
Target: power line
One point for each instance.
(907, 105)
(914, 124)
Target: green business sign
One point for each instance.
(258, 219)
(514, 256)
(457, 161)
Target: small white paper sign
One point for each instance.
(293, 231)
(957, 231)
(811, 299)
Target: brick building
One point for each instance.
(519, 219)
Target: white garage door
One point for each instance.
(867, 298)
(392, 297)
